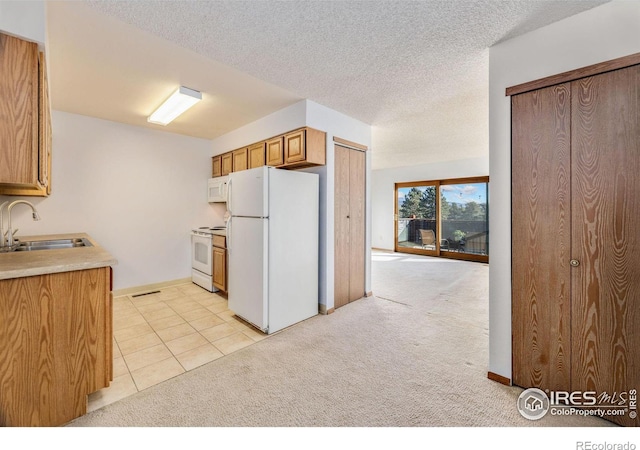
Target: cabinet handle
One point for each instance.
(574, 263)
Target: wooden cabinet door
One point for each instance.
(220, 268)
(216, 166)
(240, 160)
(294, 147)
(541, 303)
(227, 163)
(44, 127)
(275, 151)
(55, 345)
(256, 155)
(19, 89)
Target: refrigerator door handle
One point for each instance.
(228, 214)
(228, 243)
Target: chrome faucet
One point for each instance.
(2, 239)
(10, 232)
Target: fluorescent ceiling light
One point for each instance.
(181, 100)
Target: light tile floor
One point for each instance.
(162, 335)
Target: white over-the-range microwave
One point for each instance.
(217, 191)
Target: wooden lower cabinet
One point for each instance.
(55, 345)
(219, 259)
(220, 268)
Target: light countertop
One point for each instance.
(39, 262)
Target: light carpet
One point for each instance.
(414, 355)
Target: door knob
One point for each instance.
(574, 263)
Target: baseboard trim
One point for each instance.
(149, 287)
(368, 294)
(499, 378)
(322, 309)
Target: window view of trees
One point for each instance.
(421, 204)
(457, 213)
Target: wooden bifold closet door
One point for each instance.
(576, 236)
(349, 262)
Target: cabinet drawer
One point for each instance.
(219, 241)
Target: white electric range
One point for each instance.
(202, 255)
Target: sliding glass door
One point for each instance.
(444, 218)
(416, 214)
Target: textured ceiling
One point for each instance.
(415, 70)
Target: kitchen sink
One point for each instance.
(53, 244)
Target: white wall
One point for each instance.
(138, 192)
(383, 192)
(308, 113)
(24, 19)
(279, 122)
(338, 125)
(600, 34)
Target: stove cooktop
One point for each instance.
(211, 230)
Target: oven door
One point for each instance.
(201, 253)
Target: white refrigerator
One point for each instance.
(272, 246)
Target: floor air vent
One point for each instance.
(145, 293)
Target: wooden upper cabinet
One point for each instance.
(256, 155)
(300, 148)
(25, 128)
(216, 166)
(226, 164)
(44, 126)
(275, 151)
(294, 144)
(305, 147)
(240, 161)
